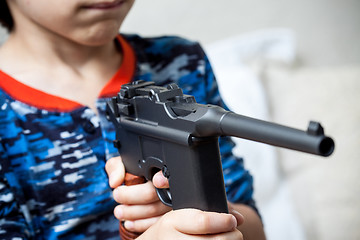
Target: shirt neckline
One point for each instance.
(43, 100)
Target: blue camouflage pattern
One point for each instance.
(53, 184)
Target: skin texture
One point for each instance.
(56, 45)
(141, 210)
(60, 45)
(87, 22)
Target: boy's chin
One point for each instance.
(97, 38)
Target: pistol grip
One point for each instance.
(130, 179)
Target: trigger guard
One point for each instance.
(164, 195)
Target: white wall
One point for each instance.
(328, 31)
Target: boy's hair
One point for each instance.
(5, 16)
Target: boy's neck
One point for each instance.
(59, 66)
(50, 49)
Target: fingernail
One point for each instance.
(238, 216)
(112, 179)
(237, 213)
(115, 195)
(118, 213)
(129, 225)
(160, 180)
(235, 223)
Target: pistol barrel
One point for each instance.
(311, 141)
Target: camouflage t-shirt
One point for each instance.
(53, 151)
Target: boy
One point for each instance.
(55, 138)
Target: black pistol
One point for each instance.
(160, 128)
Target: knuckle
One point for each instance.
(149, 193)
(203, 221)
(118, 195)
(129, 213)
(141, 226)
(156, 209)
(228, 221)
(138, 226)
(152, 210)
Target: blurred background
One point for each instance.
(288, 62)
(327, 30)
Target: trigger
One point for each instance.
(164, 195)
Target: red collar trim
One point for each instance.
(43, 100)
(124, 74)
(35, 97)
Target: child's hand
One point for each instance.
(139, 206)
(194, 224)
(142, 211)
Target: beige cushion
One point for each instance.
(326, 191)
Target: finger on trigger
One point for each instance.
(160, 181)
